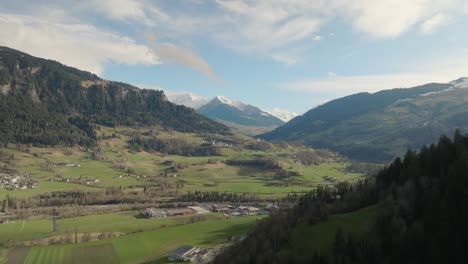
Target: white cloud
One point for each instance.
(79, 45)
(434, 23)
(442, 69)
(253, 27)
(331, 74)
(353, 84)
(269, 28)
(264, 27)
(170, 53)
(285, 58)
(392, 18)
(346, 85)
(56, 31)
(385, 18)
(115, 9)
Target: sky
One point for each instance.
(286, 54)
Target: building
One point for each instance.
(248, 210)
(221, 208)
(183, 211)
(183, 253)
(154, 213)
(198, 209)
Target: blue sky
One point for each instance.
(288, 54)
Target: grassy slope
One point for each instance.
(322, 235)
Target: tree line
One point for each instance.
(422, 211)
(47, 103)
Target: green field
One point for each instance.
(322, 235)
(151, 246)
(118, 166)
(122, 222)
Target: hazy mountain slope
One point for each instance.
(380, 126)
(238, 113)
(45, 102)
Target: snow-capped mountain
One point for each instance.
(460, 83)
(188, 99)
(283, 114)
(239, 115)
(235, 114)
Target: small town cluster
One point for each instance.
(216, 143)
(17, 182)
(225, 209)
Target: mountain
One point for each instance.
(44, 102)
(377, 127)
(188, 99)
(242, 117)
(283, 114)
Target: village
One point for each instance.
(17, 182)
(226, 210)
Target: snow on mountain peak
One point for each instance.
(282, 114)
(230, 102)
(224, 100)
(187, 99)
(460, 83)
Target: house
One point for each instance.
(198, 209)
(183, 211)
(183, 253)
(248, 210)
(154, 213)
(221, 208)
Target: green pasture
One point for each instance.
(151, 246)
(322, 235)
(121, 222)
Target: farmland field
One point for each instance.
(122, 222)
(114, 164)
(145, 246)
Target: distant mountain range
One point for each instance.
(282, 114)
(43, 102)
(378, 127)
(187, 99)
(242, 117)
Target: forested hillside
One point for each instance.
(420, 215)
(381, 126)
(46, 103)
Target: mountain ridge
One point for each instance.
(45, 102)
(380, 126)
(242, 115)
